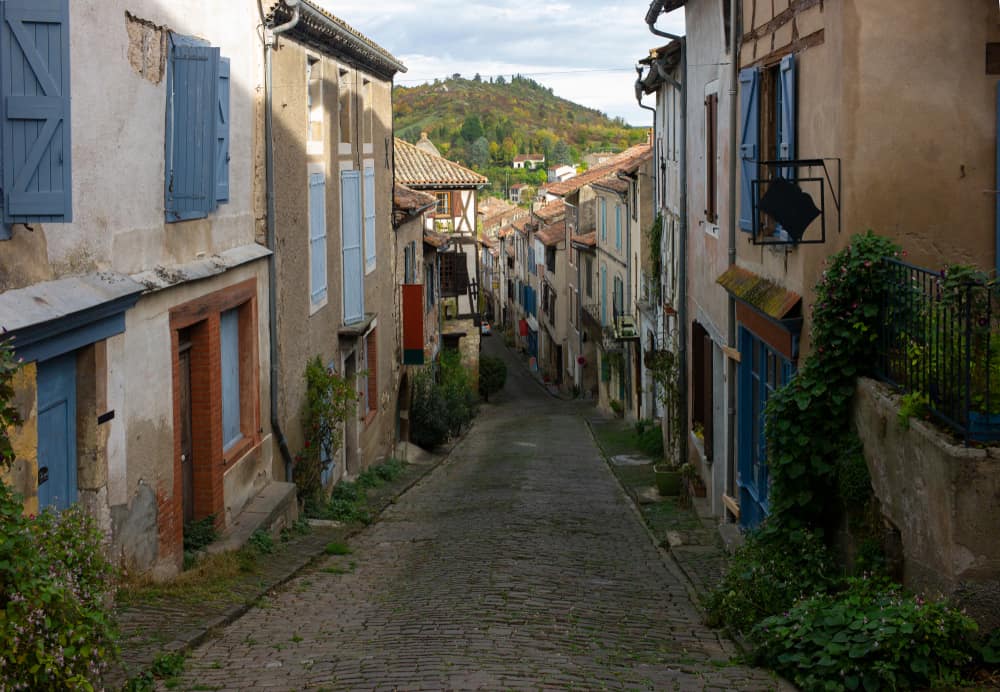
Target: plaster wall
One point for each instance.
(941, 497)
(118, 129)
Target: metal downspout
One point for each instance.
(651, 16)
(733, 212)
(270, 38)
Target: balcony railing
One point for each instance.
(940, 340)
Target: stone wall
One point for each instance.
(942, 497)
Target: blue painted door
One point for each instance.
(762, 371)
(57, 431)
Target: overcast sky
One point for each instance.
(585, 50)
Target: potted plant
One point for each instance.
(692, 480)
(668, 479)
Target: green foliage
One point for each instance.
(199, 533)
(617, 406)
(650, 441)
(492, 375)
(376, 476)
(662, 366)
(442, 407)
(330, 399)
(56, 627)
(988, 648)
(912, 405)
(871, 637)
(9, 416)
(767, 575)
(807, 422)
(337, 548)
(168, 665)
(348, 501)
(656, 247)
(262, 542)
(854, 482)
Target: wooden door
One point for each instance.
(187, 467)
(57, 432)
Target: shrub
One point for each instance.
(330, 399)
(492, 375)
(56, 630)
(461, 403)
(199, 533)
(650, 441)
(870, 636)
(767, 575)
(428, 412)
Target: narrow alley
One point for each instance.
(519, 563)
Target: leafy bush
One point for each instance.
(199, 533)
(56, 630)
(330, 399)
(492, 375)
(650, 442)
(767, 574)
(870, 636)
(441, 408)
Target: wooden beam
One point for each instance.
(731, 353)
(732, 505)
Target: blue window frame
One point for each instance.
(229, 344)
(36, 176)
(197, 130)
(762, 371)
(618, 227)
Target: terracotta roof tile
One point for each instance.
(418, 169)
(436, 238)
(407, 200)
(552, 234)
(588, 239)
(766, 296)
(551, 211)
(618, 162)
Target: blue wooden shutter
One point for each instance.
(350, 227)
(786, 130)
(618, 226)
(604, 220)
(749, 142)
(369, 199)
(192, 104)
(317, 237)
(604, 296)
(35, 90)
(229, 346)
(57, 452)
(222, 135)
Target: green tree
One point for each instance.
(472, 128)
(479, 154)
(561, 154)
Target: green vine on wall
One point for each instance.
(807, 422)
(9, 417)
(662, 366)
(330, 399)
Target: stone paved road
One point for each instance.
(519, 563)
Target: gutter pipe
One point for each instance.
(270, 40)
(655, 8)
(730, 481)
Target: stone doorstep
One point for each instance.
(274, 508)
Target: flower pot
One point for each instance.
(695, 487)
(668, 480)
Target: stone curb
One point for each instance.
(198, 635)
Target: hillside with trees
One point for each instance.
(483, 124)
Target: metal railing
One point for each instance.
(940, 341)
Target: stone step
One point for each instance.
(272, 509)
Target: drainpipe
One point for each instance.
(270, 41)
(733, 218)
(655, 8)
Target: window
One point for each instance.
(229, 344)
(35, 121)
(769, 119)
(702, 383)
(317, 239)
(604, 296)
(410, 263)
(429, 285)
(351, 244)
(344, 104)
(590, 276)
(369, 108)
(197, 130)
(314, 96)
(618, 227)
(369, 200)
(604, 219)
(711, 137)
(370, 383)
(550, 259)
(619, 296)
(443, 207)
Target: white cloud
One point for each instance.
(585, 51)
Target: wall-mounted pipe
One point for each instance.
(655, 9)
(730, 481)
(270, 40)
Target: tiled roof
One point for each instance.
(617, 162)
(613, 183)
(316, 23)
(551, 211)
(552, 234)
(495, 212)
(418, 169)
(505, 231)
(487, 241)
(766, 296)
(521, 225)
(436, 238)
(588, 239)
(407, 200)
(528, 157)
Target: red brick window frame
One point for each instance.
(370, 385)
(202, 317)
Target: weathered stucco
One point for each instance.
(23, 473)
(941, 497)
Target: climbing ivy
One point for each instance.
(9, 417)
(807, 422)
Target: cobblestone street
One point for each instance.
(518, 563)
